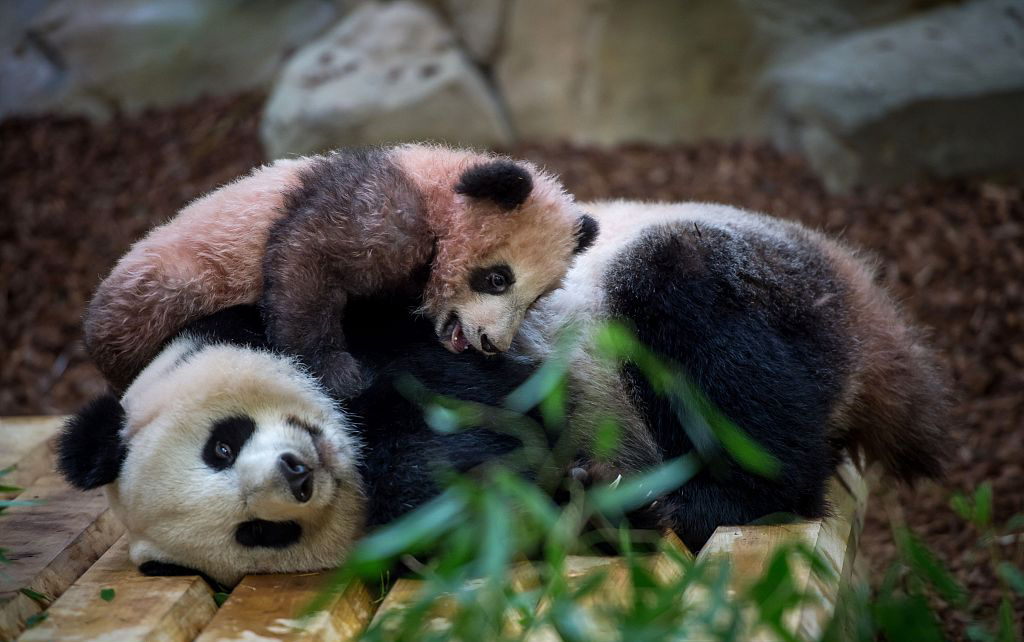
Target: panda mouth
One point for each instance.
(452, 336)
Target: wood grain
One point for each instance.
(142, 608)
(269, 606)
(27, 443)
(749, 550)
(50, 545)
(614, 590)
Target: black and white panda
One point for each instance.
(783, 329)
(780, 327)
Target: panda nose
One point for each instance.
(486, 344)
(298, 475)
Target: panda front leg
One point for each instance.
(304, 313)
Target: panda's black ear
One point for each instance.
(586, 233)
(90, 451)
(502, 181)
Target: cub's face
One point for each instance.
(489, 309)
(525, 233)
(233, 463)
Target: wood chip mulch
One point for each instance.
(74, 196)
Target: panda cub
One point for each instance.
(476, 236)
(782, 329)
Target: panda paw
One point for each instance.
(591, 473)
(342, 375)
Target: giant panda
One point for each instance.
(479, 237)
(226, 457)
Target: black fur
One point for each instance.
(230, 433)
(153, 568)
(379, 240)
(480, 279)
(760, 338)
(90, 451)
(257, 533)
(239, 325)
(587, 230)
(502, 181)
(402, 455)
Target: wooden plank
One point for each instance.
(615, 589)
(27, 443)
(267, 606)
(834, 540)
(50, 545)
(140, 608)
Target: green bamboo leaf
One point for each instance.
(496, 541)
(1012, 576)
(35, 620)
(408, 532)
(983, 506)
(928, 568)
(1015, 523)
(908, 618)
(1007, 629)
(637, 490)
(606, 438)
(962, 506)
(36, 596)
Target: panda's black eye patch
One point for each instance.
(260, 532)
(496, 279)
(227, 437)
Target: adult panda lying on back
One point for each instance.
(228, 458)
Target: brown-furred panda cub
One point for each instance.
(302, 236)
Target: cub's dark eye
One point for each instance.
(223, 451)
(496, 279)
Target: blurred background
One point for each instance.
(897, 124)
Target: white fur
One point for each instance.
(178, 510)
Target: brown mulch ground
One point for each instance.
(73, 197)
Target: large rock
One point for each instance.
(604, 71)
(478, 24)
(937, 95)
(387, 73)
(93, 57)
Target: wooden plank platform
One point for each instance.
(26, 443)
(113, 601)
(70, 577)
(267, 606)
(50, 544)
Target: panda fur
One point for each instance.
(781, 328)
(220, 382)
(301, 236)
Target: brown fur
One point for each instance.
(368, 221)
(204, 259)
(896, 403)
(539, 232)
(373, 236)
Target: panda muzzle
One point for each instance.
(298, 475)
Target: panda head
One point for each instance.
(222, 460)
(506, 234)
